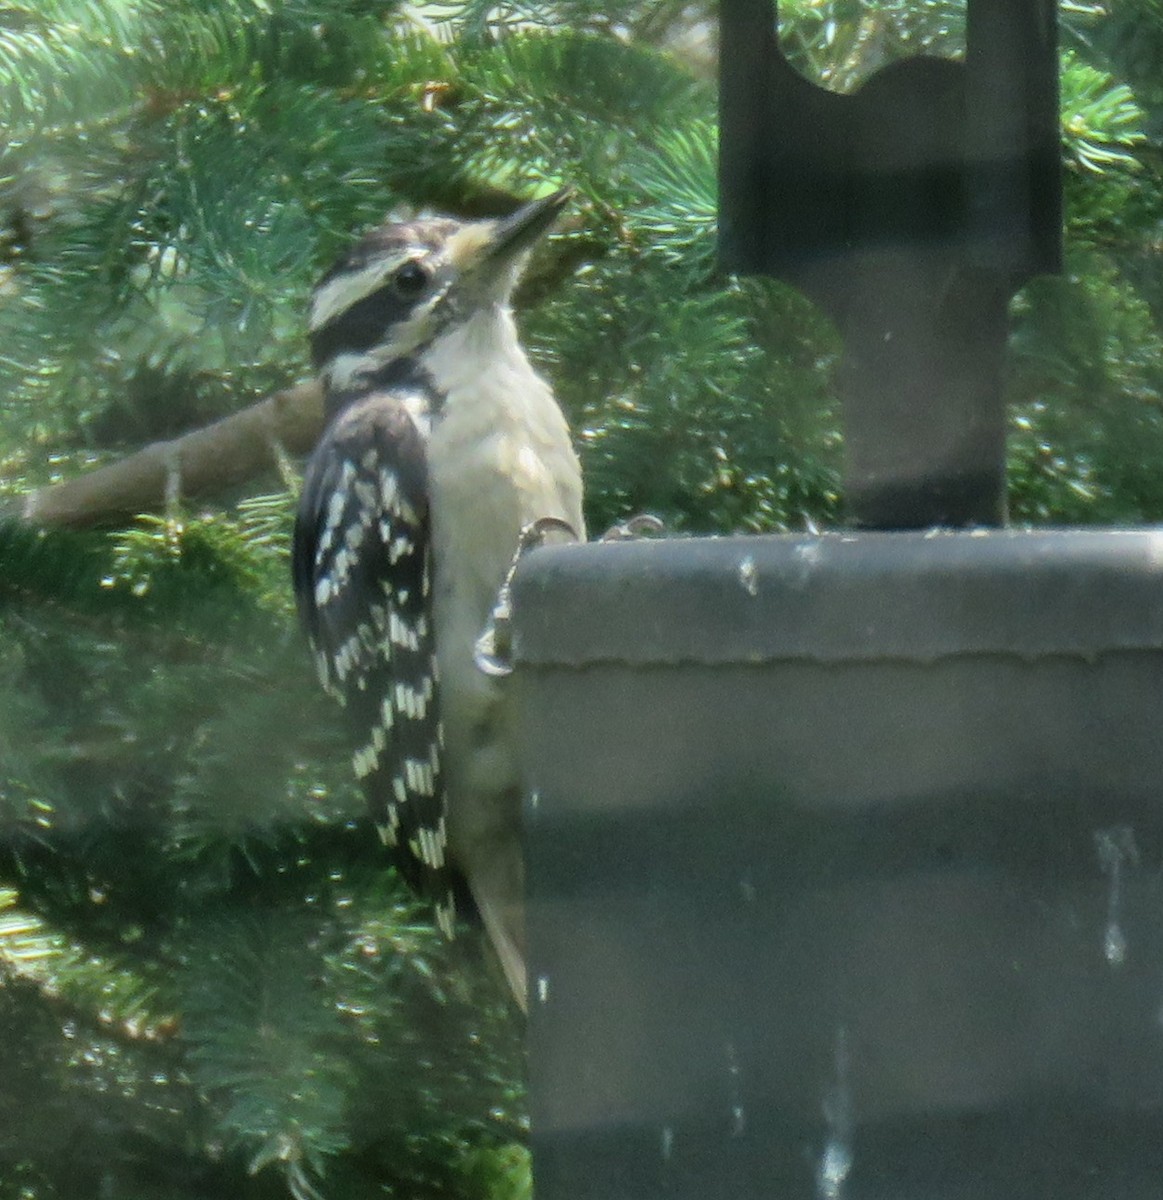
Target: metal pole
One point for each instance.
(910, 211)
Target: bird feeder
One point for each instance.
(844, 851)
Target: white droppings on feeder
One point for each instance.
(1116, 851)
(735, 1092)
(749, 576)
(835, 1163)
(835, 1166)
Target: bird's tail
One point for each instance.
(501, 908)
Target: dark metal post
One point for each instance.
(911, 212)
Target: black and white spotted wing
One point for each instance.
(361, 574)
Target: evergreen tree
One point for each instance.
(209, 983)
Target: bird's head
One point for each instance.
(406, 283)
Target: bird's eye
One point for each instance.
(411, 279)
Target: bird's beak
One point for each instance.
(519, 231)
(489, 255)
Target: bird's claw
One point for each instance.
(639, 525)
(494, 648)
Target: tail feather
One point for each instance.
(501, 909)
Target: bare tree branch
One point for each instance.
(200, 463)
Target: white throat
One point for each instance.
(477, 355)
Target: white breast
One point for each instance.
(500, 457)
(500, 453)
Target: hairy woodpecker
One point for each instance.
(442, 446)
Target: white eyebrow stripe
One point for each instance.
(337, 295)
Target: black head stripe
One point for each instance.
(401, 375)
(389, 241)
(362, 326)
(368, 322)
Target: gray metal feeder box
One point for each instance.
(845, 867)
(846, 852)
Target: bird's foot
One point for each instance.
(494, 648)
(638, 526)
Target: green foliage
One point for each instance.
(209, 985)
(1100, 119)
(195, 918)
